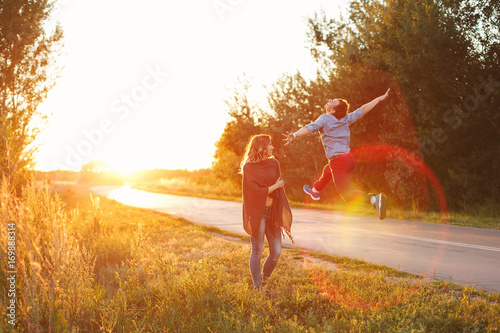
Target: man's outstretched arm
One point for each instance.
(369, 106)
(289, 136)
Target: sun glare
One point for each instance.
(124, 167)
(126, 164)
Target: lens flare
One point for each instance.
(331, 286)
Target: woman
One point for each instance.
(265, 206)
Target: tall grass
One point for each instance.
(94, 265)
(53, 274)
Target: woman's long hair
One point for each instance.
(256, 150)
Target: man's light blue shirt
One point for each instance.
(335, 133)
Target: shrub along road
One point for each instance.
(462, 255)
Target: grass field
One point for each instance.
(87, 264)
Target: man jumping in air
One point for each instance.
(336, 137)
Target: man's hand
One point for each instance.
(384, 96)
(288, 138)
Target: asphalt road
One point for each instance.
(462, 255)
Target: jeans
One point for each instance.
(274, 241)
(339, 169)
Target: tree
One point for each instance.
(444, 55)
(296, 102)
(440, 59)
(244, 122)
(27, 74)
(97, 172)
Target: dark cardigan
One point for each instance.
(257, 177)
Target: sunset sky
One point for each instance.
(143, 84)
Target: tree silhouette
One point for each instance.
(27, 69)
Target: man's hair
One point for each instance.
(341, 109)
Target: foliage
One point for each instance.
(243, 123)
(297, 103)
(295, 106)
(157, 174)
(97, 172)
(27, 74)
(53, 276)
(440, 59)
(444, 56)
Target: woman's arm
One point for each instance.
(279, 183)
